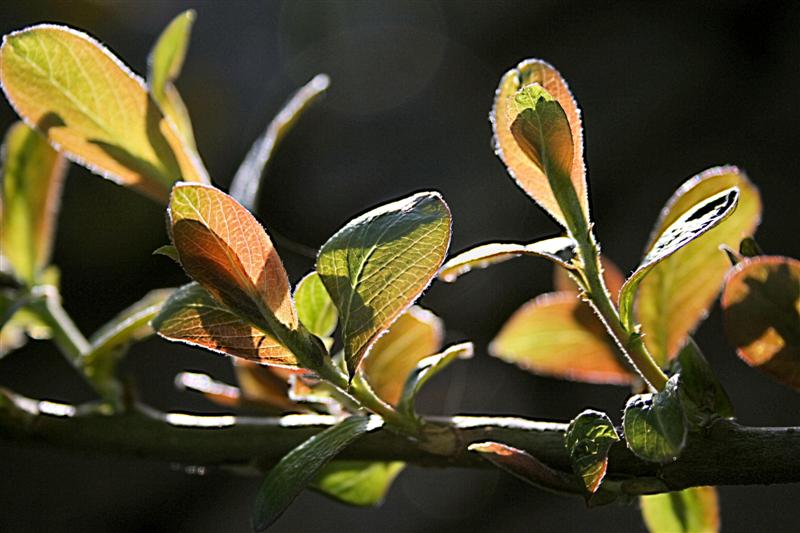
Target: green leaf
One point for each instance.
(315, 308)
(247, 181)
(655, 427)
(379, 263)
(360, 483)
(426, 369)
(93, 108)
(702, 396)
(588, 439)
(761, 309)
(694, 510)
(677, 293)
(529, 173)
(694, 222)
(17, 323)
(168, 251)
(750, 248)
(558, 335)
(299, 467)
(560, 250)
(33, 175)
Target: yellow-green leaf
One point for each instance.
(315, 308)
(761, 307)
(33, 175)
(558, 335)
(678, 292)
(560, 250)
(379, 263)
(694, 510)
(93, 108)
(417, 334)
(360, 483)
(530, 173)
(426, 369)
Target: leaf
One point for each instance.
(417, 334)
(247, 181)
(589, 438)
(298, 468)
(92, 108)
(694, 222)
(678, 292)
(360, 483)
(168, 251)
(524, 466)
(761, 309)
(266, 386)
(33, 176)
(17, 323)
(558, 335)
(315, 308)
(702, 396)
(694, 510)
(655, 428)
(214, 390)
(224, 249)
(750, 248)
(529, 175)
(193, 316)
(560, 250)
(426, 369)
(379, 263)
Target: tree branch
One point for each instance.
(725, 454)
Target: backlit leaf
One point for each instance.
(588, 439)
(267, 386)
(530, 174)
(33, 175)
(417, 334)
(761, 307)
(315, 309)
(93, 108)
(702, 396)
(426, 369)
(678, 292)
(562, 282)
(558, 335)
(360, 483)
(560, 250)
(379, 263)
(655, 428)
(694, 510)
(247, 181)
(299, 467)
(695, 221)
(216, 391)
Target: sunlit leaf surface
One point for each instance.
(694, 510)
(315, 308)
(426, 369)
(589, 437)
(529, 175)
(655, 428)
(33, 175)
(360, 483)
(94, 108)
(702, 396)
(379, 263)
(761, 306)
(678, 292)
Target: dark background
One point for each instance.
(666, 92)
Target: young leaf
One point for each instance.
(360, 483)
(702, 396)
(315, 308)
(558, 335)
(247, 181)
(655, 427)
(694, 510)
(761, 308)
(426, 369)
(694, 222)
(529, 173)
(266, 386)
(560, 250)
(93, 108)
(33, 175)
(193, 317)
(750, 248)
(677, 293)
(379, 263)
(214, 390)
(298, 468)
(563, 282)
(17, 323)
(588, 439)
(414, 336)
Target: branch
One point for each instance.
(726, 454)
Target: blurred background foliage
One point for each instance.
(666, 92)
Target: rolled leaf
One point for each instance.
(379, 263)
(360, 483)
(589, 438)
(655, 427)
(426, 369)
(677, 293)
(694, 510)
(529, 174)
(761, 309)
